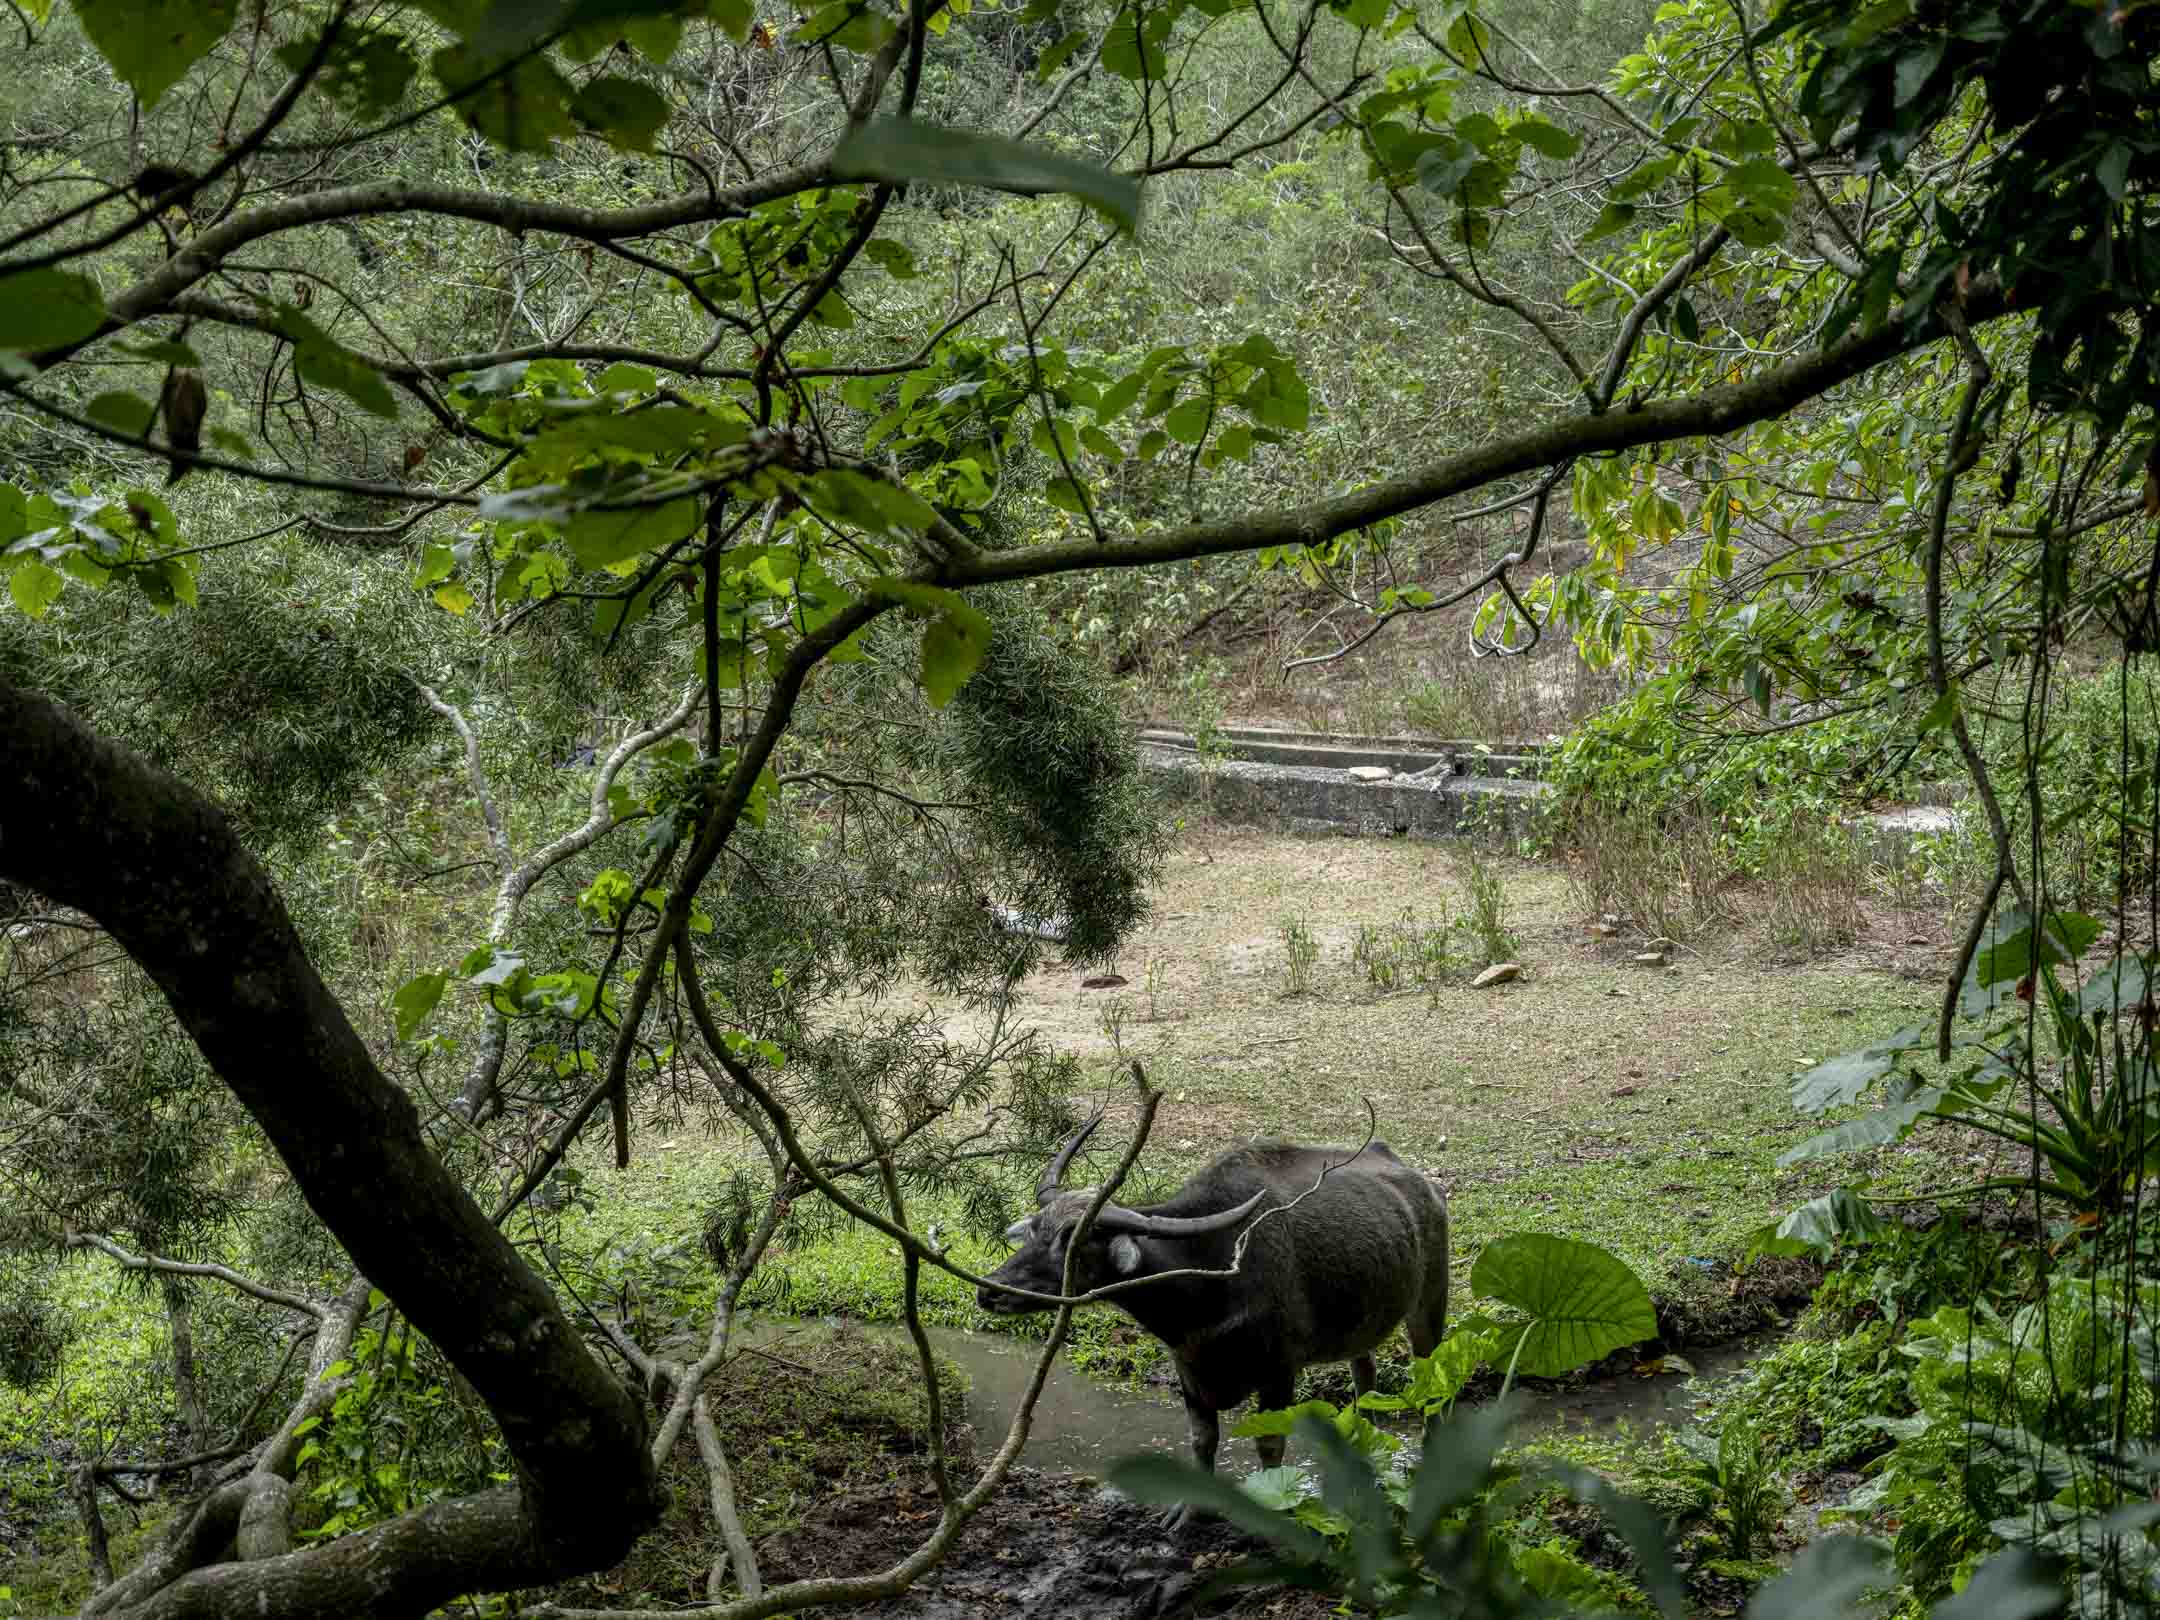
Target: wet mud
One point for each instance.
(1054, 1543)
(1045, 1547)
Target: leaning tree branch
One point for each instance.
(1722, 408)
(519, 878)
(157, 1263)
(160, 867)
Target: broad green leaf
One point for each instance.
(863, 502)
(1283, 1421)
(952, 650)
(152, 43)
(1054, 58)
(165, 352)
(627, 114)
(1119, 397)
(1817, 1225)
(1547, 140)
(1584, 1301)
(1824, 1583)
(894, 258)
(45, 309)
(904, 149)
(1890, 1123)
(368, 72)
(34, 585)
(1280, 1489)
(415, 999)
(600, 538)
(453, 597)
(1188, 420)
(2120, 984)
(1841, 1080)
(522, 109)
(490, 965)
(1064, 494)
(1349, 1486)
(122, 412)
(322, 360)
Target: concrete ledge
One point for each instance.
(1318, 798)
(1407, 755)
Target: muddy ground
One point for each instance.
(1046, 1547)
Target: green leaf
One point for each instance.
(1686, 326)
(1062, 493)
(1825, 1582)
(1840, 1080)
(1817, 1225)
(123, 412)
(415, 999)
(453, 598)
(902, 149)
(627, 114)
(1583, 1300)
(1279, 1489)
(1118, 398)
(367, 72)
(2120, 984)
(1617, 216)
(34, 585)
(46, 309)
(524, 108)
(952, 650)
(2113, 170)
(1547, 140)
(1283, 1421)
(152, 43)
(1188, 419)
(598, 539)
(322, 360)
(894, 258)
(1054, 58)
(1892, 1122)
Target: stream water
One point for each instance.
(1083, 1425)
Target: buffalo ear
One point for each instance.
(1124, 1255)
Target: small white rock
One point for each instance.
(1498, 973)
(1371, 773)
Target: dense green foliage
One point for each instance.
(664, 483)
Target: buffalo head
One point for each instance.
(1111, 1252)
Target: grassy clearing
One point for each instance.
(1638, 1107)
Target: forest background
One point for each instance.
(682, 508)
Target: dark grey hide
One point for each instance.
(1326, 1280)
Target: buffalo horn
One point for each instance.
(1116, 1218)
(1054, 1177)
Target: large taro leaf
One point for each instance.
(1840, 1080)
(1583, 1300)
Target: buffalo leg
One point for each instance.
(1274, 1396)
(1363, 1370)
(1206, 1435)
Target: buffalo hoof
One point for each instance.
(1179, 1521)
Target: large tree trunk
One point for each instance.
(92, 826)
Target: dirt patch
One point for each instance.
(1046, 1547)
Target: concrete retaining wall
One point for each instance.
(1318, 798)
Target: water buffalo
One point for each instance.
(1361, 1247)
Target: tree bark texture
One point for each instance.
(92, 826)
